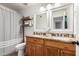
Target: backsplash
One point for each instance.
(55, 34)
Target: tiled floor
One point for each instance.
(13, 54)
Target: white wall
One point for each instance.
(30, 11)
(76, 25)
(9, 30)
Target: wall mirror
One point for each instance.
(58, 19)
(41, 22)
(62, 19)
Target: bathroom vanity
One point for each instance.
(49, 46)
(57, 20)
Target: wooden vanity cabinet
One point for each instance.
(68, 50)
(47, 47)
(39, 50)
(51, 51)
(58, 48)
(52, 48)
(67, 53)
(30, 49)
(34, 47)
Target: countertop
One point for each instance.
(64, 39)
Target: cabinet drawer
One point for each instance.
(53, 43)
(35, 40)
(69, 47)
(61, 45)
(67, 53)
(30, 39)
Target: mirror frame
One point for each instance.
(71, 30)
(40, 30)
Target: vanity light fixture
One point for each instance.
(57, 4)
(49, 6)
(42, 9)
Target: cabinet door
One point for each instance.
(67, 53)
(39, 50)
(30, 50)
(51, 51)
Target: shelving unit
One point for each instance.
(25, 19)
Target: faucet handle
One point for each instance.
(75, 42)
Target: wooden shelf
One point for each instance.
(27, 25)
(24, 19)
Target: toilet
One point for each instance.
(20, 47)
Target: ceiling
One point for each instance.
(18, 6)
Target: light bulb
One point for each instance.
(49, 6)
(57, 4)
(42, 9)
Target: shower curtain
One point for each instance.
(9, 30)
